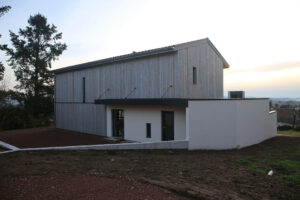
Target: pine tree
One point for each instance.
(34, 48)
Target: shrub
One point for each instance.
(17, 117)
(12, 117)
(284, 128)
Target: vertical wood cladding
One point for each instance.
(161, 76)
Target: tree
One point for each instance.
(34, 48)
(2, 69)
(3, 10)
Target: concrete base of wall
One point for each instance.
(8, 146)
(182, 144)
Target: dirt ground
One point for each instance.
(47, 137)
(79, 187)
(212, 175)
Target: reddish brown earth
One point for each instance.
(210, 175)
(79, 187)
(48, 137)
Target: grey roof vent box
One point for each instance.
(236, 94)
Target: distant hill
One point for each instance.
(286, 102)
(285, 99)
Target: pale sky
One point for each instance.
(259, 39)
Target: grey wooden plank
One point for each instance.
(150, 76)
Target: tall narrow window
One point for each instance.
(118, 122)
(148, 130)
(194, 75)
(83, 89)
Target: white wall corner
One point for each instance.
(187, 124)
(108, 121)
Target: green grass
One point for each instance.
(250, 164)
(285, 166)
(246, 161)
(290, 132)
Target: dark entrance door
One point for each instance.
(118, 123)
(167, 122)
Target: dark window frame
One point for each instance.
(118, 126)
(167, 132)
(194, 75)
(148, 130)
(83, 90)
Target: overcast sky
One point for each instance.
(259, 39)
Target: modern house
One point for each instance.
(164, 94)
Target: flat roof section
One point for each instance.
(180, 102)
(145, 102)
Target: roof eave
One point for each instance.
(177, 102)
(225, 63)
(101, 62)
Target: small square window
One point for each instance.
(148, 130)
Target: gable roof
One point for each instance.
(136, 55)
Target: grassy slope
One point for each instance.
(285, 165)
(290, 132)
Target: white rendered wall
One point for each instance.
(187, 121)
(136, 117)
(228, 124)
(212, 124)
(254, 123)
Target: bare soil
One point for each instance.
(49, 137)
(212, 175)
(79, 187)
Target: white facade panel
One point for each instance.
(228, 124)
(254, 122)
(136, 117)
(212, 124)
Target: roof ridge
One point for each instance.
(134, 55)
(185, 43)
